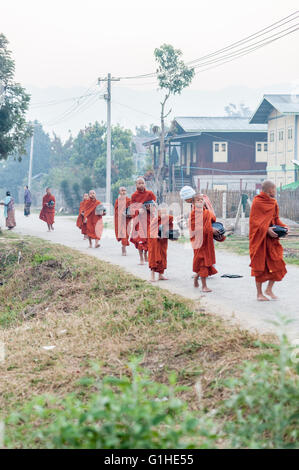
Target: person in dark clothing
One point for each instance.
(27, 201)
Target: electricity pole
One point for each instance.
(30, 162)
(107, 97)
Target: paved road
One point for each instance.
(234, 299)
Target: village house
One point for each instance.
(213, 152)
(280, 113)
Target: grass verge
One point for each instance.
(61, 311)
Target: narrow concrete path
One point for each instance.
(233, 299)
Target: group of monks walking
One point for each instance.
(140, 221)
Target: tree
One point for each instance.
(144, 131)
(173, 76)
(14, 101)
(14, 173)
(238, 111)
(89, 151)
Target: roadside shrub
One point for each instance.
(264, 406)
(124, 413)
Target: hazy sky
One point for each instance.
(69, 43)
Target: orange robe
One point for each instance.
(47, 213)
(266, 253)
(201, 236)
(80, 220)
(157, 247)
(121, 222)
(94, 225)
(141, 222)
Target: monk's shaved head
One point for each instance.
(140, 184)
(140, 178)
(269, 188)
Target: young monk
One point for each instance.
(142, 218)
(122, 222)
(94, 222)
(201, 236)
(266, 252)
(48, 210)
(157, 247)
(80, 220)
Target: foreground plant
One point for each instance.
(264, 406)
(124, 413)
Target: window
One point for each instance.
(290, 133)
(261, 152)
(280, 135)
(220, 152)
(271, 136)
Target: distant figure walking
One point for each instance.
(47, 213)
(27, 201)
(9, 211)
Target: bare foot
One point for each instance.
(270, 294)
(206, 289)
(195, 282)
(141, 263)
(153, 280)
(97, 246)
(163, 278)
(262, 298)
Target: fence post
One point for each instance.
(224, 199)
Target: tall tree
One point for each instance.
(14, 174)
(14, 101)
(173, 76)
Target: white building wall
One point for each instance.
(228, 182)
(281, 152)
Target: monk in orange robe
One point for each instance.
(157, 247)
(143, 215)
(266, 252)
(80, 220)
(202, 239)
(47, 213)
(122, 222)
(94, 222)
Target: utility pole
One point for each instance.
(107, 97)
(30, 162)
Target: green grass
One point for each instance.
(240, 246)
(93, 312)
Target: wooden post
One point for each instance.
(224, 202)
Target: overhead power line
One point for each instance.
(218, 54)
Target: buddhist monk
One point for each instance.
(94, 222)
(157, 244)
(266, 252)
(80, 220)
(143, 213)
(48, 210)
(122, 221)
(202, 239)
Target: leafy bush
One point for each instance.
(264, 406)
(125, 413)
